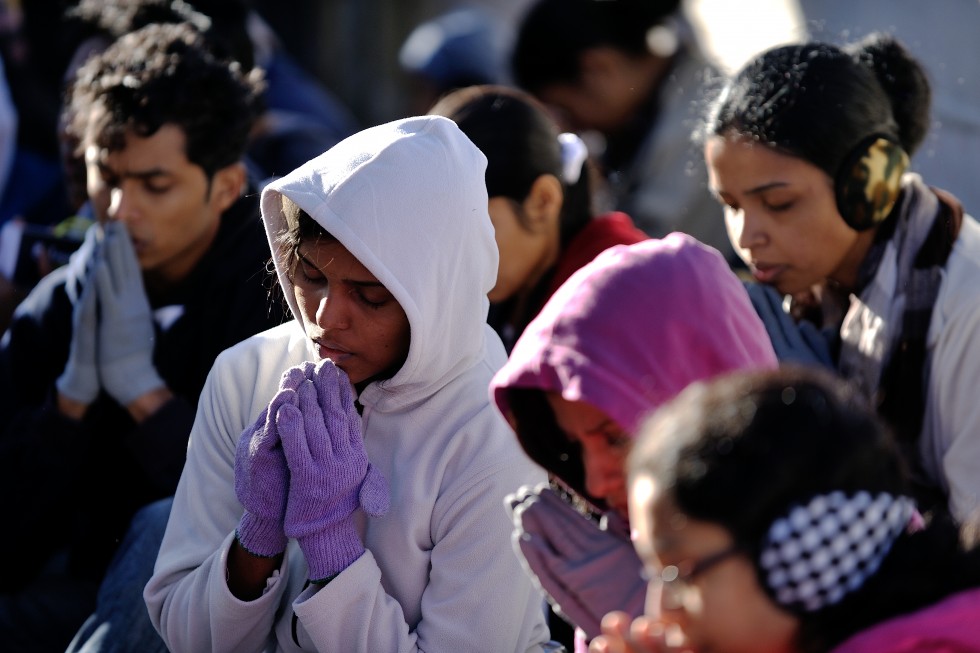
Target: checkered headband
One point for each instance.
(821, 551)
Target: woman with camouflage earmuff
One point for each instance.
(808, 149)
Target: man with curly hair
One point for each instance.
(101, 368)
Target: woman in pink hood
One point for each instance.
(623, 335)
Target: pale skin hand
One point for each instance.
(147, 404)
(619, 635)
(142, 408)
(70, 408)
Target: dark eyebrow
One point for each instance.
(353, 282)
(145, 174)
(364, 284)
(764, 187)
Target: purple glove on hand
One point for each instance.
(329, 472)
(261, 474)
(585, 571)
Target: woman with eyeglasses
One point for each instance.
(773, 514)
(623, 335)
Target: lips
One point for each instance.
(766, 272)
(332, 350)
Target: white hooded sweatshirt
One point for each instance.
(408, 200)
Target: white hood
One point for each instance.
(408, 199)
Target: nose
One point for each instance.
(332, 311)
(651, 607)
(121, 205)
(745, 228)
(603, 471)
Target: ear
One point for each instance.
(543, 203)
(227, 185)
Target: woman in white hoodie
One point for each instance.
(385, 253)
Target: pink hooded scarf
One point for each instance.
(626, 333)
(950, 626)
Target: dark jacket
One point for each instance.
(78, 483)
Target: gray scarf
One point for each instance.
(884, 348)
(892, 286)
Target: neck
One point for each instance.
(846, 275)
(547, 261)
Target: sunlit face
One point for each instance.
(604, 447)
(782, 217)
(351, 318)
(721, 609)
(524, 254)
(171, 211)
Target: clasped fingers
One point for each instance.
(323, 460)
(620, 634)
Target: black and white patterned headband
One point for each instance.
(821, 551)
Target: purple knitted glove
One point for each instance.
(329, 472)
(585, 571)
(261, 475)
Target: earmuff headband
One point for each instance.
(869, 181)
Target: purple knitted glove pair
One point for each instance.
(585, 570)
(261, 475)
(330, 476)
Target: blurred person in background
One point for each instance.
(631, 72)
(541, 187)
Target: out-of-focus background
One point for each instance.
(339, 65)
(353, 45)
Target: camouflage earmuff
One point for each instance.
(869, 180)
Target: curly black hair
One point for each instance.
(165, 74)
(224, 23)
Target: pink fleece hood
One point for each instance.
(626, 333)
